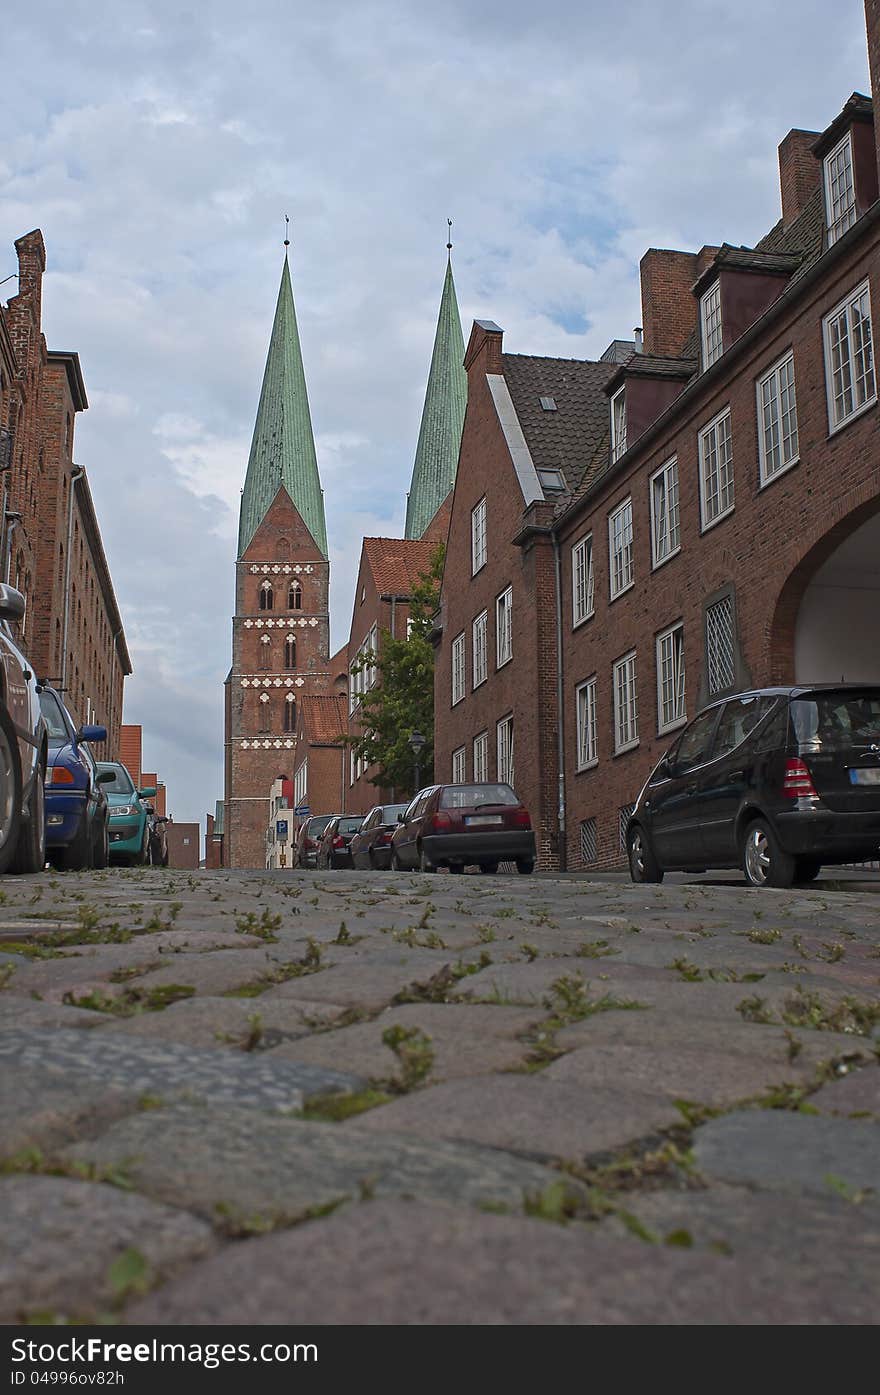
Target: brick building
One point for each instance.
(281, 626)
(50, 540)
(320, 756)
(214, 837)
(724, 532)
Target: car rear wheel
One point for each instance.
(765, 863)
(525, 866)
(489, 867)
(101, 846)
(643, 865)
(808, 869)
(30, 853)
(456, 868)
(10, 790)
(77, 856)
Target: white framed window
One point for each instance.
(353, 764)
(626, 712)
(849, 358)
(301, 784)
(585, 703)
(479, 551)
(504, 626)
(716, 470)
(720, 660)
(481, 757)
(710, 324)
(620, 548)
(458, 766)
(618, 423)
(777, 420)
(480, 643)
(665, 528)
(458, 668)
(504, 732)
(363, 669)
(671, 711)
(582, 580)
(840, 193)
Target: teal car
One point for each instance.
(129, 830)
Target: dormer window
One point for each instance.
(840, 193)
(710, 324)
(618, 423)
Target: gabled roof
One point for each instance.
(567, 435)
(436, 459)
(324, 719)
(283, 447)
(397, 563)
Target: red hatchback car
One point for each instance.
(457, 826)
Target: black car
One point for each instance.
(333, 849)
(457, 826)
(308, 839)
(371, 845)
(778, 781)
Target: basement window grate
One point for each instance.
(589, 842)
(623, 818)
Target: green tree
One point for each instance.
(402, 699)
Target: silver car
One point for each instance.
(23, 750)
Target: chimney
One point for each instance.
(31, 265)
(486, 338)
(637, 339)
(872, 24)
(669, 306)
(799, 172)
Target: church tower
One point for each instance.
(281, 626)
(436, 459)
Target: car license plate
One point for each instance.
(867, 775)
(473, 820)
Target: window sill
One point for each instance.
(576, 624)
(480, 684)
(656, 565)
(622, 592)
(456, 700)
(853, 416)
(590, 765)
(502, 663)
(766, 480)
(719, 518)
(622, 750)
(673, 726)
(475, 571)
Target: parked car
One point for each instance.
(129, 827)
(333, 849)
(456, 826)
(305, 849)
(778, 781)
(23, 750)
(77, 810)
(371, 846)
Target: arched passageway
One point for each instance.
(837, 626)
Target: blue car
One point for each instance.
(129, 815)
(77, 811)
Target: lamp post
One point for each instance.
(416, 745)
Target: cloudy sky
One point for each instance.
(158, 146)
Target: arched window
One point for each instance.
(265, 713)
(290, 713)
(295, 596)
(290, 652)
(267, 598)
(265, 653)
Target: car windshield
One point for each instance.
(349, 825)
(836, 721)
(53, 716)
(317, 825)
(121, 783)
(388, 813)
(472, 796)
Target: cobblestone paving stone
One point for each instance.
(669, 1096)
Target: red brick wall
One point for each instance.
(184, 845)
(799, 173)
(768, 548)
(130, 748)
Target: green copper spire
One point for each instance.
(442, 418)
(283, 448)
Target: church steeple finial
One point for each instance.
(436, 459)
(286, 231)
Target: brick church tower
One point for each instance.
(281, 626)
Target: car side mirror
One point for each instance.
(91, 733)
(401, 818)
(106, 777)
(148, 793)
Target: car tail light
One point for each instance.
(797, 783)
(520, 818)
(339, 841)
(59, 775)
(441, 822)
(310, 844)
(382, 840)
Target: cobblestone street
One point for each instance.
(304, 1098)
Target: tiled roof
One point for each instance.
(568, 437)
(858, 107)
(396, 563)
(324, 718)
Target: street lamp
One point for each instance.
(416, 744)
